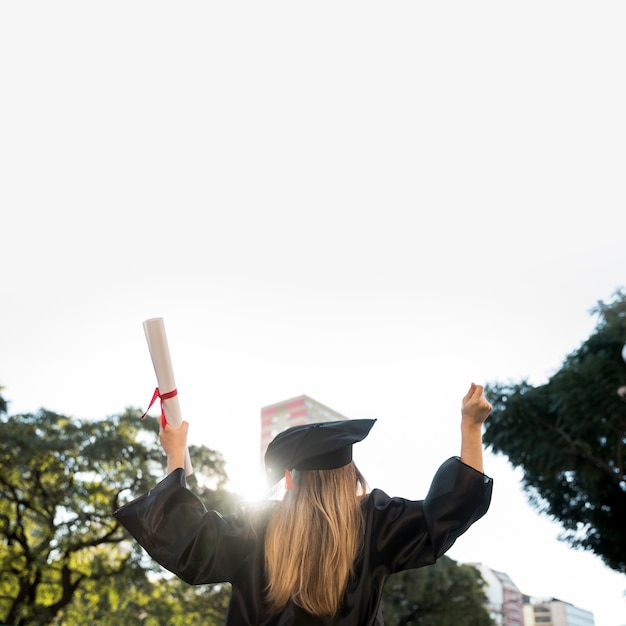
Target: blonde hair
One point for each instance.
(313, 539)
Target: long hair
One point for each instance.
(313, 539)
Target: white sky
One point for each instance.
(373, 204)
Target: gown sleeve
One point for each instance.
(407, 534)
(177, 531)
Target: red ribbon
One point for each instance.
(162, 396)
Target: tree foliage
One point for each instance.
(443, 594)
(3, 402)
(64, 559)
(146, 601)
(568, 436)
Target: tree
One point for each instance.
(568, 437)
(3, 402)
(61, 480)
(145, 601)
(443, 594)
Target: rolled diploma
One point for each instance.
(160, 353)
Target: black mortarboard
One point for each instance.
(324, 445)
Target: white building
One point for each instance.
(553, 612)
(504, 599)
(509, 607)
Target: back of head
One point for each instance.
(313, 539)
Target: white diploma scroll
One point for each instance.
(160, 353)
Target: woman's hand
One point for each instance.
(174, 442)
(475, 408)
(474, 411)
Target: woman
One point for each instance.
(322, 554)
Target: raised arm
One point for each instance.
(474, 411)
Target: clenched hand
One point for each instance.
(475, 408)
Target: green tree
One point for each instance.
(3, 402)
(568, 437)
(64, 559)
(443, 594)
(147, 601)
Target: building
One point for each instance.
(293, 412)
(504, 599)
(553, 612)
(507, 606)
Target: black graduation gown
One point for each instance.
(202, 546)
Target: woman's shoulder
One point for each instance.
(377, 498)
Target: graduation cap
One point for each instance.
(319, 446)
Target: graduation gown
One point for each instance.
(202, 546)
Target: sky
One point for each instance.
(371, 204)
